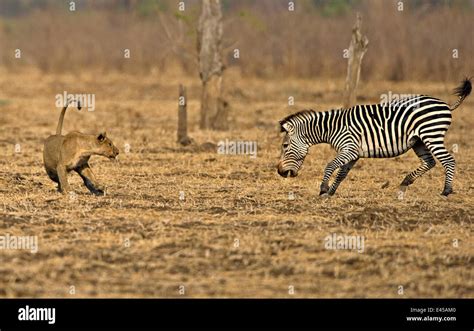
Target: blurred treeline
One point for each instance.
(419, 42)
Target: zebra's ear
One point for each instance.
(286, 127)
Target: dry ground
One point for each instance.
(141, 240)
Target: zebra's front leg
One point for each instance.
(339, 161)
(341, 175)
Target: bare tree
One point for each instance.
(214, 110)
(183, 138)
(357, 49)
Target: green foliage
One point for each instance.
(149, 8)
(436, 4)
(254, 21)
(7, 26)
(189, 21)
(14, 8)
(10, 8)
(181, 17)
(226, 5)
(334, 8)
(4, 102)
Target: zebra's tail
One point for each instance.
(462, 91)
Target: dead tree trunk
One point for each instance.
(214, 110)
(357, 49)
(183, 138)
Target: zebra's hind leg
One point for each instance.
(427, 162)
(447, 160)
(341, 175)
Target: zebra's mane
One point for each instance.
(297, 115)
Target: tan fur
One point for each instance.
(63, 154)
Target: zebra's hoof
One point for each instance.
(324, 188)
(324, 195)
(403, 188)
(98, 192)
(445, 193)
(406, 182)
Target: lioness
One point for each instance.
(62, 154)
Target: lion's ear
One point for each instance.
(101, 137)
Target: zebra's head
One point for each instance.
(293, 149)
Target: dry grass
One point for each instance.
(81, 242)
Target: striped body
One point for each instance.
(382, 130)
(373, 131)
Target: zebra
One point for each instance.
(380, 130)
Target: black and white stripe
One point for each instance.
(374, 131)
